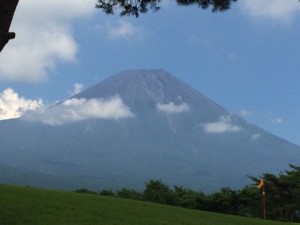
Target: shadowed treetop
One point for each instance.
(135, 7)
(7, 9)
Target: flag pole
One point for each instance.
(264, 202)
(261, 185)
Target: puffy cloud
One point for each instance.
(274, 9)
(73, 110)
(224, 124)
(246, 112)
(254, 137)
(277, 120)
(13, 106)
(43, 38)
(77, 88)
(123, 30)
(172, 108)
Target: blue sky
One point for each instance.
(245, 59)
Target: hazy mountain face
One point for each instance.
(136, 126)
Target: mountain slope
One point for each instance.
(162, 129)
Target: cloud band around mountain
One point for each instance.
(13, 106)
(74, 110)
(223, 125)
(171, 107)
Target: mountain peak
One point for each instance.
(142, 90)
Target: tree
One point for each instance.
(282, 194)
(158, 192)
(224, 201)
(188, 198)
(107, 192)
(250, 201)
(7, 10)
(135, 7)
(129, 193)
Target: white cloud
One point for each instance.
(44, 38)
(172, 108)
(13, 106)
(224, 124)
(122, 30)
(277, 120)
(77, 88)
(254, 137)
(246, 112)
(74, 110)
(275, 9)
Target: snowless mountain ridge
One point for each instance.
(135, 126)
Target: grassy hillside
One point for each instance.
(30, 206)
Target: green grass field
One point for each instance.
(30, 206)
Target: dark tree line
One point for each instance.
(282, 194)
(135, 7)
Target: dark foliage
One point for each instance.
(129, 193)
(135, 7)
(85, 191)
(187, 198)
(107, 192)
(7, 10)
(282, 197)
(283, 194)
(216, 5)
(158, 192)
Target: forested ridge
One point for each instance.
(282, 196)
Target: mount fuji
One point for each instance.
(135, 126)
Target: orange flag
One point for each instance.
(261, 184)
